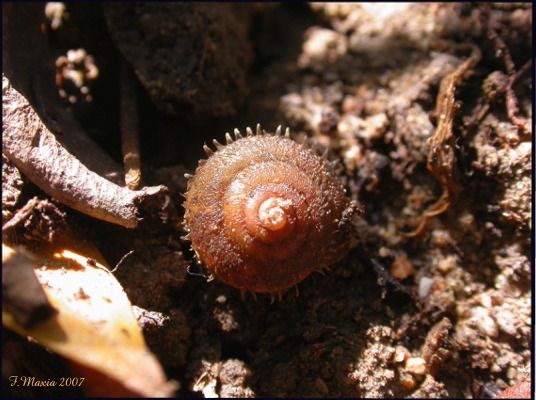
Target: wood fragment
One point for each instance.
(33, 148)
(20, 215)
(130, 145)
(441, 155)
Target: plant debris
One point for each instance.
(37, 153)
(432, 142)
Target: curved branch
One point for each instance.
(30, 145)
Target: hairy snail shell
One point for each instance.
(263, 212)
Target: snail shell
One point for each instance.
(263, 212)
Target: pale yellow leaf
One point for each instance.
(95, 326)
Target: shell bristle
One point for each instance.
(217, 144)
(278, 131)
(259, 132)
(237, 134)
(249, 132)
(186, 237)
(287, 133)
(228, 138)
(188, 176)
(208, 150)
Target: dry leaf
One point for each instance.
(95, 327)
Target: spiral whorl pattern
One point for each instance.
(263, 212)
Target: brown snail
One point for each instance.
(263, 212)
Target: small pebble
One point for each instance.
(416, 365)
(425, 284)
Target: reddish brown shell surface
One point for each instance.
(263, 212)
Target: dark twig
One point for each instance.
(512, 109)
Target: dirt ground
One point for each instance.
(428, 304)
